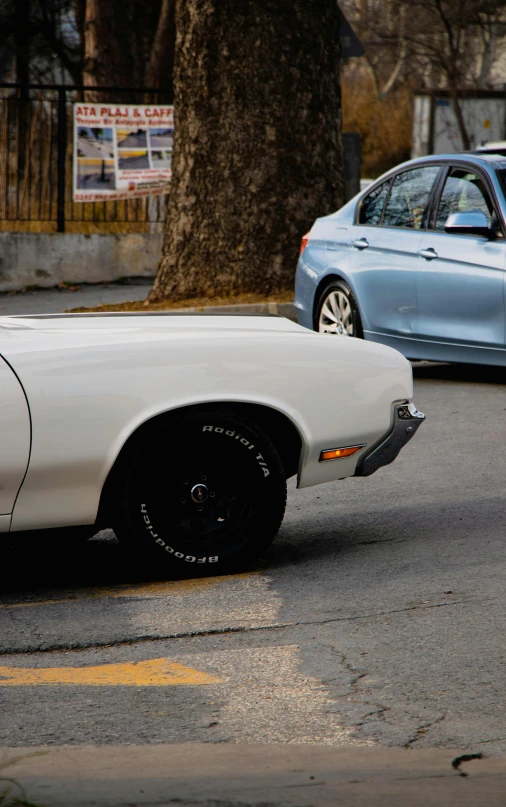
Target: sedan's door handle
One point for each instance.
(360, 243)
(429, 254)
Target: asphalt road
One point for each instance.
(131, 163)
(89, 178)
(161, 141)
(133, 141)
(59, 300)
(92, 148)
(377, 618)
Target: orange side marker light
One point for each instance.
(339, 453)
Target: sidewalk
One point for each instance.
(57, 301)
(225, 774)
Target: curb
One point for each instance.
(286, 310)
(244, 775)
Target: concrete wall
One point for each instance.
(46, 259)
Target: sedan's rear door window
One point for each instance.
(373, 204)
(409, 196)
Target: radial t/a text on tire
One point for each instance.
(205, 489)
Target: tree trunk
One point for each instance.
(108, 52)
(257, 153)
(22, 45)
(92, 65)
(457, 108)
(163, 39)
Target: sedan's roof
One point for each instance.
(490, 160)
(469, 156)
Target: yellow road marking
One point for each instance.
(153, 673)
(177, 588)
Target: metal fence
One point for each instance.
(36, 164)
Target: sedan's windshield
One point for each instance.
(501, 173)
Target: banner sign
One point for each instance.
(121, 152)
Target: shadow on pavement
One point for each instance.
(102, 561)
(466, 373)
(37, 572)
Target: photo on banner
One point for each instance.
(122, 152)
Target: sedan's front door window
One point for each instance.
(408, 197)
(463, 191)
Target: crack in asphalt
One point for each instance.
(421, 730)
(382, 541)
(21, 626)
(378, 711)
(353, 671)
(131, 640)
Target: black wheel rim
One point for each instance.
(210, 504)
(205, 505)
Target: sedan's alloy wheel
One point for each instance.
(336, 315)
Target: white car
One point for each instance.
(180, 431)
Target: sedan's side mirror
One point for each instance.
(472, 222)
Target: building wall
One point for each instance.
(435, 127)
(47, 259)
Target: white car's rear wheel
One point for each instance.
(205, 490)
(336, 312)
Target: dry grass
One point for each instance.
(384, 124)
(192, 302)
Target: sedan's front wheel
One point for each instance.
(206, 489)
(337, 312)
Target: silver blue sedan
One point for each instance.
(417, 261)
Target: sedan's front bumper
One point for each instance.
(407, 419)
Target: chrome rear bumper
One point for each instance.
(407, 419)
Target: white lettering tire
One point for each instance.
(205, 490)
